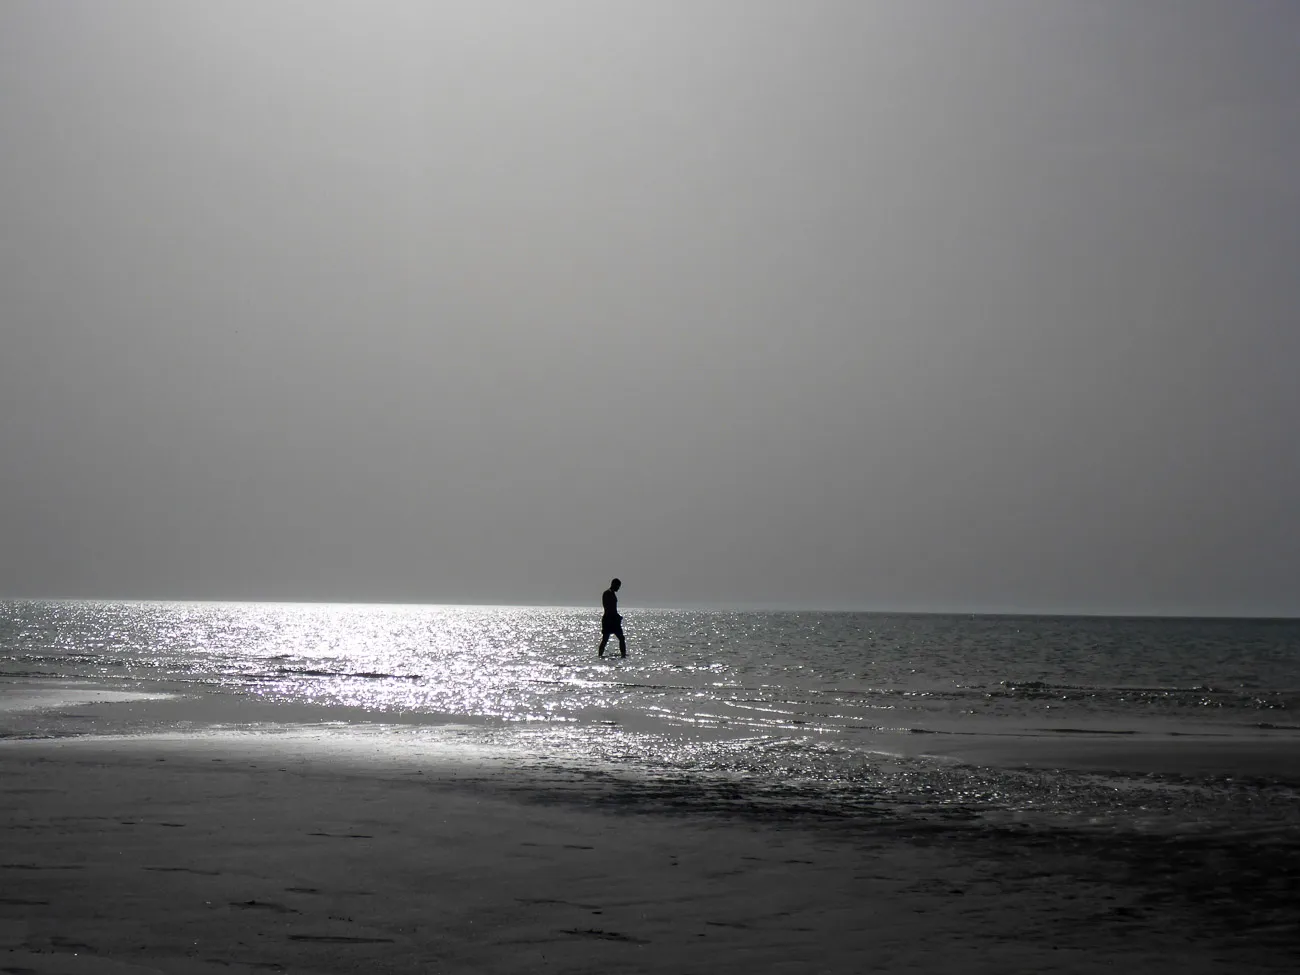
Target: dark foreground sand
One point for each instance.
(262, 854)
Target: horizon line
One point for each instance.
(688, 606)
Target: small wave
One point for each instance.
(1199, 696)
(310, 672)
(1087, 731)
(38, 673)
(377, 675)
(73, 658)
(1029, 685)
(634, 685)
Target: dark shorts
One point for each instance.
(611, 626)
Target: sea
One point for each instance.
(1133, 725)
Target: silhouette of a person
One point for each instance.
(611, 624)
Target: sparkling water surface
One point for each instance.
(834, 703)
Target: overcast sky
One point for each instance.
(915, 305)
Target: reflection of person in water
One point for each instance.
(611, 624)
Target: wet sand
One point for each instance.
(1259, 755)
(266, 853)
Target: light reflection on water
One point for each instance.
(831, 671)
(785, 697)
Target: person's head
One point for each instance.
(615, 583)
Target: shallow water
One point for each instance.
(847, 711)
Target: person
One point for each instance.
(611, 624)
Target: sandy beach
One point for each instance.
(272, 853)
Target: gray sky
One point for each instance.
(941, 304)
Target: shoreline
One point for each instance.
(288, 852)
(90, 706)
(1235, 787)
(1259, 755)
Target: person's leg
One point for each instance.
(622, 644)
(604, 639)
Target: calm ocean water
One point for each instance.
(841, 710)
